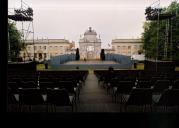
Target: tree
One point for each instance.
(14, 40)
(102, 54)
(149, 36)
(77, 54)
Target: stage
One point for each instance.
(92, 64)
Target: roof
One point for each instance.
(40, 41)
(90, 32)
(126, 41)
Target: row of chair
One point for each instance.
(136, 90)
(143, 98)
(41, 84)
(34, 96)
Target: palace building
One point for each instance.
(90, 45)
(127, 47)
(44, 49)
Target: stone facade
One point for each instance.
(90, 45)
(128, 47)
(46, 48)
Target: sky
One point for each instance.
(68, 19)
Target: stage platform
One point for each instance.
(92, 64)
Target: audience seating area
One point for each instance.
(45, 88)
(141, 90)
(131, 90)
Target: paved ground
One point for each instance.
(94, 98)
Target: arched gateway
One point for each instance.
(90, 45)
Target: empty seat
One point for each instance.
(123, 88)
(176, 84)
(13, 86)
(143, 84)
(160, 86)
(31, 96)
(13, 104)
(141, 97)
(169, 98)
(59, 97)
(28, 84)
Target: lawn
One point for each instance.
(41, 67)
(140, 66)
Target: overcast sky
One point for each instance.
(71, 18)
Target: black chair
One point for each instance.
(123, 88)
(45, 85)
(168, 99)
(154, 79)
(140, 97)
(30, 97)
(71, 87)
(13, 86)
(143, 84)
(112, 85)
(173, 96)
(12, 103)
(59, 97)
(176, 84)
(160, 86)
(28, 84)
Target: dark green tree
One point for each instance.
(77, 54)
(157, 48)
(14, 38)
(102, 54)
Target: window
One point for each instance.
(44, 47)
(30, 54)
(45, 55)
(35, 55)
(40, 56)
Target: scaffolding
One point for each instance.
(24, 15)
(154, 13)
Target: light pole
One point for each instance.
(9, 48)
(158, 27)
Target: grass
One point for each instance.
(176, 68)
(140, 66)
(41, 67)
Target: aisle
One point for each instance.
(94, 98)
